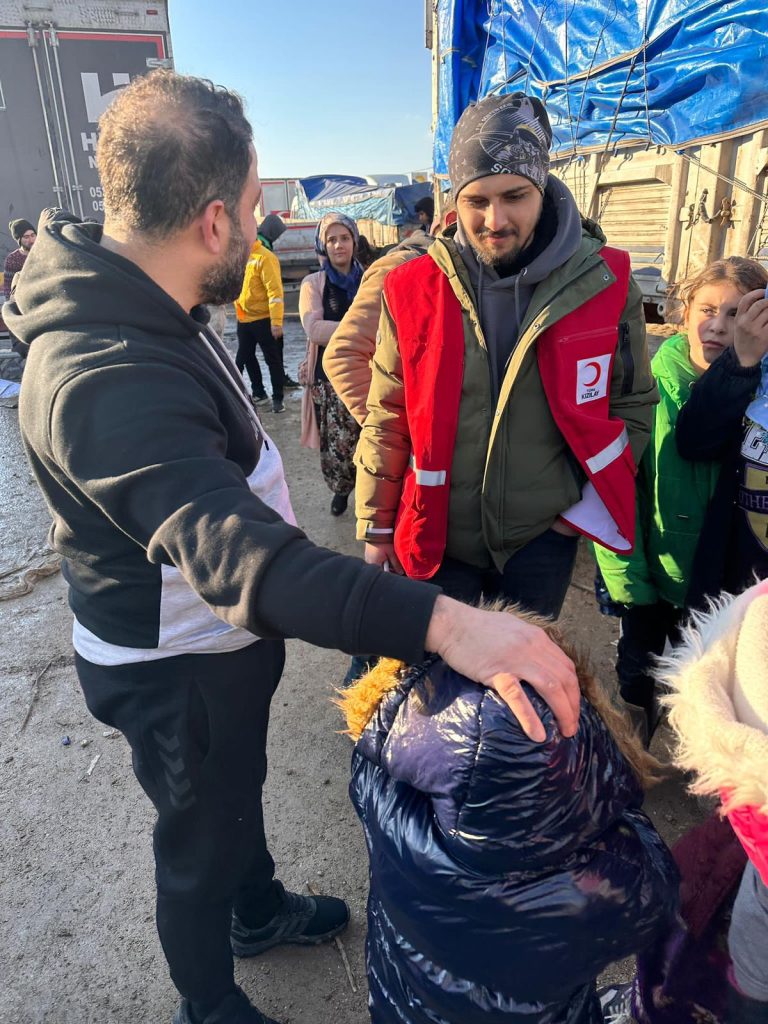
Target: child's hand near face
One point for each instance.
(751, 338)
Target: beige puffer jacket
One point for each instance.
(347, 359)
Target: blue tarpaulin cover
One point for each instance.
(334, 193)
(668, 72)
(327, 186)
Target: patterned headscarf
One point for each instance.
(347, 282)
(501, 135)
(326, 222)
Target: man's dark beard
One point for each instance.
(224, 282)
(499, 263)
(507, 263)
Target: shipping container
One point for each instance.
(61, 63)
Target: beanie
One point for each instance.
(19, 228)
(501, 135)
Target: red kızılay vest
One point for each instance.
(575, 359)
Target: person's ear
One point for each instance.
(215, 227)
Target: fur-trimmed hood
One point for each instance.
(718, 678)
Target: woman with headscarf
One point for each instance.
(324, 299)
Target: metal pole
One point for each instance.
(60, 139)
(76, 187)
(31, 38)
(435, 40)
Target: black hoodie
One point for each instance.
(143, 442)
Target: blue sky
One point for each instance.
(331, 87)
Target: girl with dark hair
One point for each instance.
(323, 300)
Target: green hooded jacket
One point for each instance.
(672, 498)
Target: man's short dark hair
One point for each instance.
(426, 205)
(168, 145)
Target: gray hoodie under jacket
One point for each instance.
(502, 302)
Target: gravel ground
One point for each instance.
(77, 937)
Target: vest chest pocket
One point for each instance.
(583, 366)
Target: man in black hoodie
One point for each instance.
(185, 567)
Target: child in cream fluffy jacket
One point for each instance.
(719, 711)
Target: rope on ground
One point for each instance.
(21, 579)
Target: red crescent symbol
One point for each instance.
(598, 374)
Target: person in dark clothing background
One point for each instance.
(24, 234)
(365, 252)
(425, 210)
(270, 229)
(185, 568)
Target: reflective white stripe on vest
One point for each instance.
(371, 530)
(609, 454)
(429, 477)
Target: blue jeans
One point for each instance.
(536, 577)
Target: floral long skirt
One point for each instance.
(338, 438)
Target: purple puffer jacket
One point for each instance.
(505, 874)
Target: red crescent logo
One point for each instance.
(598, 374)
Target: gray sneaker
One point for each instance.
(300, 921)
(278, 406)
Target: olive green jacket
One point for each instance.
(512, 473)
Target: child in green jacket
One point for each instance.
(673, 494)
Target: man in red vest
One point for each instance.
(512, 395)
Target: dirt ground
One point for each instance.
(77, 937)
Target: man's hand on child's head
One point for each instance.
(498, 649)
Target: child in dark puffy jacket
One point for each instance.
(682, 533)
(505, 874)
